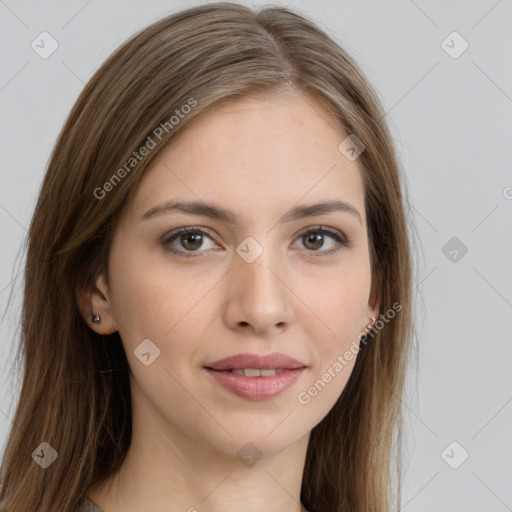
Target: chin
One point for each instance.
(264, 436)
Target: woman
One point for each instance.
(217, 305)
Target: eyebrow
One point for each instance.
(215, 212)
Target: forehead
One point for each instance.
(275, 121)
(253, 152)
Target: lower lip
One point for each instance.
(256, 388)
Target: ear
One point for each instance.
(373, 306)
(95, 300)
(372, 310)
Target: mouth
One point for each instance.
(252, 372)
(254, 376)
(249, 364)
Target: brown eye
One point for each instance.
(323, 241)
(191, 241)
(313, 242)
(187, 241)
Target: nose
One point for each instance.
(258, 299)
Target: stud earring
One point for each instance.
(95, 319)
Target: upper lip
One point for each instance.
(241, 361)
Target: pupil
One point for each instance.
(316, 240)
(196, 239)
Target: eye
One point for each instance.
(191, 239)
(314, 238)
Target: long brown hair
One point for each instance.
(75, 392)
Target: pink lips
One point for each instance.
(274, 360)
(256, 388)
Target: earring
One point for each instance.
(95, 319)
(364, 337)
(370, 326)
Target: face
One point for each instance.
(266, 277)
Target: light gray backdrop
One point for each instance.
(450, 109)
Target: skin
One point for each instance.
(257, 157)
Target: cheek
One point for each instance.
(337, 304)
(160, 302)
(333, 322)
(334, 355)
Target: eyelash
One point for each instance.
(342, 242)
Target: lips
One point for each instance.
(274, 361)
(256, 377)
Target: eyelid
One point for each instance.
(342, 241)
(322, 228)
(176, 233)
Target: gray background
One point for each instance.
(451, 118)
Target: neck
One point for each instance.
(166, 471)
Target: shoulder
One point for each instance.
(89, 506)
